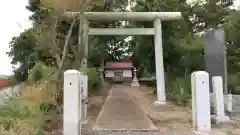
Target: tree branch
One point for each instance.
(66, 44)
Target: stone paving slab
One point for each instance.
(120, 112)
(143, 133)
(153, 133)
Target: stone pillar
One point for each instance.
(161, 96)
(85, 42)
(217, 82)
(229, 102)
(201, 101)
(215, 56)
(71, 103)
(101, 75)
(84, 97)
(135, 80)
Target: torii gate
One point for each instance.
(157, 17)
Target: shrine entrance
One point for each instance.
(118, 76)
(156, 17)
(73, 97)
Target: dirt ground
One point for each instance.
(174, 118)
(167, 118)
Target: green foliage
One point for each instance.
(18, 111)
(179, 90)
(46, 106)
(232, 32)
(182, 41)
(12, 80)
(39, 116)
(233, 83)
(43, 45)
(39, 132)
(40, 71)
(94, 80)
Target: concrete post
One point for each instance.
(201, 101)
(84, 98)
(72, 107)
(217, 83)
(85, 42)
(229, 102)
(193, 88)
(161, 96)
(101, 75)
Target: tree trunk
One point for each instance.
(65, 49)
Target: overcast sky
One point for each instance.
(14, 20)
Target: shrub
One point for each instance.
(179, 90)
(40, 71)
(12, 80)
(233, 83)
(34, 112)
(94, 80)
(20, 116)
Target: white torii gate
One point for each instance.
(157, 17)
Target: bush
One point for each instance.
(233, 83)
(94, 80)
(40, 71)
(20, 116)
(35, 111)
(179, 90)
(12, 80)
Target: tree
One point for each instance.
(24, 52)
(173, 33)
(210, 14)
(232, 32)
(58, 40)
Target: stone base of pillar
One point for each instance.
(159, 103)
(222, 119)
(135, 83)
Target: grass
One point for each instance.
(34, 111)
(178, 89)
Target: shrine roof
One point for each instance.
(119, 64)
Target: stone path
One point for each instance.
(120, 112)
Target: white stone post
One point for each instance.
(135, 82)
(217, 83)
(229, 102)
(161, 96)
(71, 103)
(193, 88)
(84, 96)
(201, 101)
(101, 75)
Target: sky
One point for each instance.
(14, 20)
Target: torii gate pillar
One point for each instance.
(161, 96)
